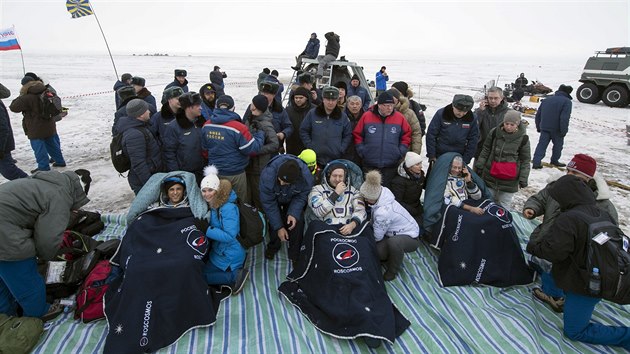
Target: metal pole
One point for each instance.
(105, 39)
(21, 55)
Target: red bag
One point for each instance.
(91, 292)
(506, 171)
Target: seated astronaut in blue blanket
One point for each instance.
(172, 194)
(460, 186)
(335, 201)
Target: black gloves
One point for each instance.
(522, 184)
(202, 225)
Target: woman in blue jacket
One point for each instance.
(227, 257)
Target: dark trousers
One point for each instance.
(21, 284)
(9, 170)
(545, 137)
(295, 237)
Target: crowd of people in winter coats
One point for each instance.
(300, 159)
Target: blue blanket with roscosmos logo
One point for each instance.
(480, 249)
(161, 293)
(337, 284)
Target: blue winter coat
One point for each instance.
(224, 226)
(160, 120)
(328, 135)
(183, 86)
(142, 149)
(146, 95)
(294, 195)
(281, 121)
(554, 113)
(7, 143)
(361, 92)
(312, 48)
(381, 81)
(228, 142)
(206, 110)
(181, 145)
(449, 134)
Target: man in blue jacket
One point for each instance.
(311, 51)
(228, 143)
(180, 80)
(326, 129)
(381, 81)
(355, 89)
(552, 122)
(284, 187)
(454, 128)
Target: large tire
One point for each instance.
(615, 96)
(588, 93)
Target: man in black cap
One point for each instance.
(180, 80)
(311, 51)
(284, 187)
(552, 122)
(453, 129)
(355, 89)
(216, 77)
(125, 80)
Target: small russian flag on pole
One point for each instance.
(8, 40)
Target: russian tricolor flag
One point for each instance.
(8, 40)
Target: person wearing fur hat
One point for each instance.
(170, 106)
(138, 84)
(335, 201)
(228, 144)
(8, 169)
(396, 232)
(401, 104)
(552, 122)
(355, 89)
(454, 128)
(408, 183)
(139, 144)
(208, 99)
(504, 162)
(565, 246)
(332, 52)
(126, 94)
(226, 263)
(381, 80)
(41, 131)
(543, 204)
(342, 87)
(326, 129)
(382, 138)
(180, 80)
(216, 77)
(259, 118)
(297, 110)
(125, 80)
(284, 187)
(490, 114)
(416, 107)
(181, 140)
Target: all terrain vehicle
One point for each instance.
(606, 77)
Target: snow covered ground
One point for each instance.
(85, 84)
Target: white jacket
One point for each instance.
(389, 218)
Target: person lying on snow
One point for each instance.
(227, 257)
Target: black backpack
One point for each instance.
(253, 225)
(49, 104)
(607, 249)
(120, 160)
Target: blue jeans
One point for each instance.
(578, 310)
(543, 142)
(217, 276)
(549, 285)
(9, 170)
(43, 147)
(20, 283)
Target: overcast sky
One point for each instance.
(375, 29)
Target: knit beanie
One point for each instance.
(385, 97)
(565, 88)
(136, 108)
(225, 100)
(211, 180)
(260, 102)
(341, 85)
(512, 116)
(411, 158)
(301, 91)
(371, 188)
(394, 92)
(402, 87)
(289, 171)
(583, 164)
(355, 77)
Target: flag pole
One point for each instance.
(21, 54)
(105, 39)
